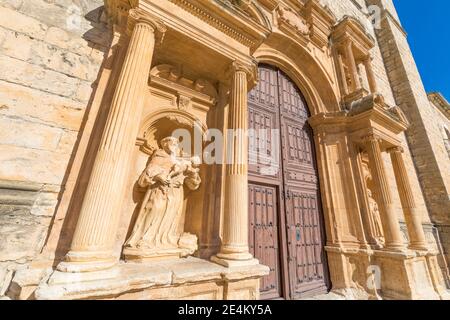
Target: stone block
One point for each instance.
(29, 104)
(16, 21)
(21, 234)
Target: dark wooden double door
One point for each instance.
(286, 229)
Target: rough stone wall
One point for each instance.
(50, 55)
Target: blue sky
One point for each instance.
(428, 26)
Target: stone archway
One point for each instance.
(286, 222)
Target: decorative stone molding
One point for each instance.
(292, 23)
(201, 11)
(174, 75)
(178, 118)
(374, 107)
(320, 20)
(269, 4)
(117, 11)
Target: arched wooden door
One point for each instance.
(286, 225)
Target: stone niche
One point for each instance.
(173, 102)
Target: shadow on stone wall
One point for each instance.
(78, 170)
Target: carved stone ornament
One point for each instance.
(287, 17)
(184, 102)
(159, 228)
(173, 74)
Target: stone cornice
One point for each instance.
(440, 102)
(350, 29)
(369, 116)
(227, 18)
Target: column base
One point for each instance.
(232, 263)
(395, 248)
(87, 261)
(419, 246)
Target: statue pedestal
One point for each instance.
(187, 245)
(139, 255)
(188, 278)
(409, 276)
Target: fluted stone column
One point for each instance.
(370, 74)
(352, 66)
(416, 234)
(389, 219)
(235, 250)
(342, 72)
(95, 233)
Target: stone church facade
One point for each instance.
(344, 188)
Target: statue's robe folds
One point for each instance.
(158, 225)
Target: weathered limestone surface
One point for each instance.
(50, 56)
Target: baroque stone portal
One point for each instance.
(159, 228)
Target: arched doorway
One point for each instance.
(286, 224)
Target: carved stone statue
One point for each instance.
(159, 228)
(376, 219)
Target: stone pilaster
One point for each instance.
(95, 233)
(412, 218)
(389, 220)
(235, 249)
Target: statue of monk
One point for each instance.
(159, 228)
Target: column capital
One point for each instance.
(371, 137)
(137, 16)
(250, 69)
(397, 149)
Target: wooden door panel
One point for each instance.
(264, 114)
(263, 236)
(303, 223)
(285, 206)
(262, 144)
(304, 236)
